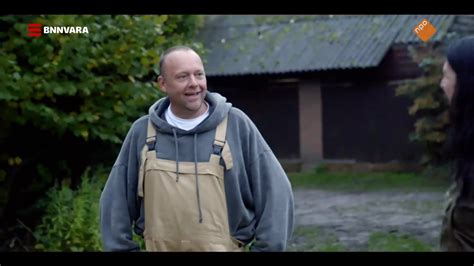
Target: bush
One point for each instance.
(71, 222)
(430, 106)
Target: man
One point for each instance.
(195, 174)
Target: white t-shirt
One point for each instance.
(185, 124)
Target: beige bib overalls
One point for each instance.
(185, 212)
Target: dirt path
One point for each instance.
(351, 217)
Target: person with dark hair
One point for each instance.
(195, 174)
(457, 232)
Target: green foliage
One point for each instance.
(63, 95)
(91, 85)
(139, 240)
(71, 221)
(429, 106)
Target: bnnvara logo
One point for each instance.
(34, 30)
(37, 30)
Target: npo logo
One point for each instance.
(424, 30)
(36, 30)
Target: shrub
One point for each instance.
(71, 221)
(429, 106)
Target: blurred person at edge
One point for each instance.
(457, 233)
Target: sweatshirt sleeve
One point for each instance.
(273, 202)
(119, 206)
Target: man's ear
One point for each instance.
(161, 83)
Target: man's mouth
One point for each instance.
(193, 96)
(192, 93)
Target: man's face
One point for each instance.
(448, 82)
(184, 81)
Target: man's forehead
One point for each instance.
(177, 58)
(179, 54)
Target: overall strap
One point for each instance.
(148, 151)
(150, 136)
(219, 139)
(220, 148)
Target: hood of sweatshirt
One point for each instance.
(218, 109)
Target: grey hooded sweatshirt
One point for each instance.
(258, 193)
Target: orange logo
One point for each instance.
(425, 30)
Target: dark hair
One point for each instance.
(169, 51)
(460, 56)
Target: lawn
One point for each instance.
(311, 238)
(432, 179)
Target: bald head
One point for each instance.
(162, 64)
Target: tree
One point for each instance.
(429, 104)
(67, 100)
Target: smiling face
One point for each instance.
(184, 81)
(448, 82)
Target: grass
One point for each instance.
(311, 238)
(369, 181)
(379, 241)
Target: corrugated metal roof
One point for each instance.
(463, 25)
(440, 22)
(248, 44)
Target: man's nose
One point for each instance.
(193, 80)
